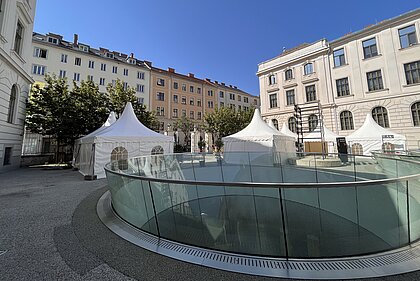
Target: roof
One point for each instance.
(370, 130)
(285, 130)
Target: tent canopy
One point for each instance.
(329, 135)
(370, 130)
(111, 120)
(286, 131)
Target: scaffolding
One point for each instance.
(309, 119)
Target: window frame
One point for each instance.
(288, 74)
(305, 70)
(411, 79)
(375, 83)
(381, 117)
(310, 96)
(339, 87)
(273, 100)
(291, 97)
(415, 113)
(346, 120)
(370, 51)
(341, 57)
(408, 36)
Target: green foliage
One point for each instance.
(185, 125)
(226, 121)
(66, 115)
(179, 148)
(119, 96)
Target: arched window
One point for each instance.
(288, 74)
(12, 104)
(357, 149)
(415, 112)
(380, 115)
(312, 122)
(346, 120)
(388, 147)
(292, 124)
(119, 158)
(272, 79)
(157, 150)
(308, 68)
(275, 123)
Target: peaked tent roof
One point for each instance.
(370, 130)
(316, 134)
(111, 120)
(257, 128)
(271, 124)
(285, 130)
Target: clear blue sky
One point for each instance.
(219, 39)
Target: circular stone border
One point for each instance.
(402, 260)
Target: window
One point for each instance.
(221, 94)
(115, 69)
(346, 120)
(199, 115)
(119, 158)
(132, 61)
(191, 89)
(380, 115)
(160, 111)
(222, 104)
(183, 100)
(18, 38)
(412, 72)
(140, 88)
(140, 100)
(310, 93)
(210, 104)
(84, 48)
(12, 104)
(339, 58)
(407, 36)
(125, 86)
(198, 90)
(53, 40)
(91, 64)
(246, 100)
(160, 96)
(175, 98)
(78, 61)
(63, 58)
(90, 78)
(7, 156)
(255, 102)
(175, 85)
(140, 75)
(184, 113)
(191, 114)
(125, 72)
(62, 74)
(102, 81)
(275, 123)
(272, 79)
(103, 66)
(191, 101)
(157, 150)
(369, 48)
(175, 113)
(239, 98)
(312, 122)
(210, 93)
(342, 87)
(113, 82)
(374, 80)
(231, 96)
(415, 112)
(288, 75)
(198, 102)
(290, 97)
(160, 82)
(109, 55)
(184, 87)
(273, 100)
(357, 149)
(76, 77)
(38, 69)
(291, 123)
(308, 68)
(40, 53)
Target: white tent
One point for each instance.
(259, 137)
(126, 138)
(329, 136)
(286, 131)
(371, 136)
(271, 124)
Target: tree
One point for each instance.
(185, 125)
(119, 95)
(225, 121)
(66, 115)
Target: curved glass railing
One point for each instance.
(272, 204)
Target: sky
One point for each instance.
(223, 40)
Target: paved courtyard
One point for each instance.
(49, 230)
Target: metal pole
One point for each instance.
(283, 224)
(408, 213)
(154, 209)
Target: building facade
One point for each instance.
(16, 27)
(77, 61)
(373, 71)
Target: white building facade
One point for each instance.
(16, 27)
(373, 71)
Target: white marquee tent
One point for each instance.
(258, 136)
(329, 136)
(127, 138)
(285, 130)
(371, 136)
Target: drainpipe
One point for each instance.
(332, 91)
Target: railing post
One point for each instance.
(282, 208)
(154, 209)
(408, 213)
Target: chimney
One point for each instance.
(223, 84)
(171, 70)
(75, 39)
(216, 82)
(235, 87)
(132, 55)
(208, 80)
(230, 86)
(191, 75)
(149, 63)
